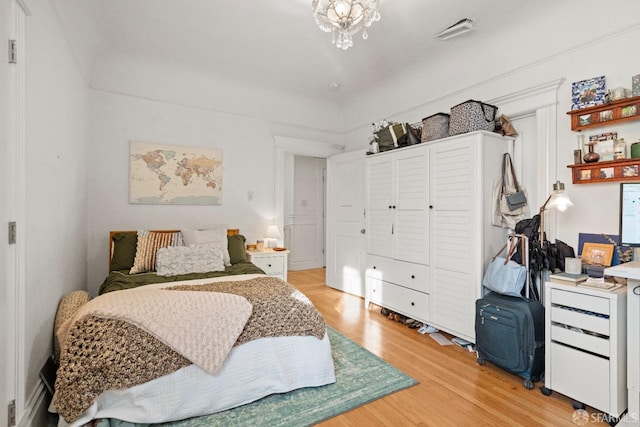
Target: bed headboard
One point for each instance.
(230, 232)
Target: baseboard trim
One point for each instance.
(36, 407)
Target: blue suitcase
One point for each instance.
(510, 334)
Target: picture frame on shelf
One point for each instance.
(588, 93)
(585, 175)
(606, 115)
(597, 254)
(606, 173)
(604, 145)
(584, 120)
(577, 157)
(629, 111)
(629, 171)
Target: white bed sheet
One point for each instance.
(251, 371)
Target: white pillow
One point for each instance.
(201, 237)
(175, 260)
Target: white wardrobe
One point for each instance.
(429, 232)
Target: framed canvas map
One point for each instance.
(174, 174)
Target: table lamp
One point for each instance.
(272, 235)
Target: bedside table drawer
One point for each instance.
(271, 265)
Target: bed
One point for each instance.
(154, 347)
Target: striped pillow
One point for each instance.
(148, 244)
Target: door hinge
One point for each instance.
(13, 52)
(12, 232)
(12, 413)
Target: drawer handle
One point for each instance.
(374, 267)
(413, 276)
(413, 303)
(268, 265)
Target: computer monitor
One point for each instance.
(630, 214)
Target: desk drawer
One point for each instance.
(581, 301)
(580, 320)
(582, 376)
(581, 340)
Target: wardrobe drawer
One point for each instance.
(407, 274)
(396, 298)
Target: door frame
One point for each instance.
(288, 147)
(15, 169)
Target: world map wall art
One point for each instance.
(174, 174)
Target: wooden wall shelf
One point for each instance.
(611, 171)
(606, 114)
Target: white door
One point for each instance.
(306, 229)
(345, 222)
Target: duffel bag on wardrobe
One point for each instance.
(472, 115)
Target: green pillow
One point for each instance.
(236, 248)
(124, 251)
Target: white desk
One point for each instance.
(631, 271)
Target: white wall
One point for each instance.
(248, 151)
(596, 205)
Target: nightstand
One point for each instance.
(273, 263)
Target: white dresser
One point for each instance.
(631, 271)
(585, 345)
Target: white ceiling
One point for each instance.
(276, 43)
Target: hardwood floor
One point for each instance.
(453, 391)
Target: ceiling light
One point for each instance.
(460, 27)
(344, 18)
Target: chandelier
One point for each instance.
(344, 18)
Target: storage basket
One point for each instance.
(472, 115)
(435, 126)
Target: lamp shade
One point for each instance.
(559, 199)
(272, 232)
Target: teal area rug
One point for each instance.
(361, 377)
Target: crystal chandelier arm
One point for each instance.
(345, 17)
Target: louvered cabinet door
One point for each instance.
(411, 207)
(453, 234)
(379, 214)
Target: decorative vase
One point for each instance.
(591, 156)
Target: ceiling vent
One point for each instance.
(459, 28)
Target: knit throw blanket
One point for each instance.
(135, 336)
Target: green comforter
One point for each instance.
(118, 280)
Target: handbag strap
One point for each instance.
(507, 167)
(514, 239)
(484, 111)
(513, 246)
